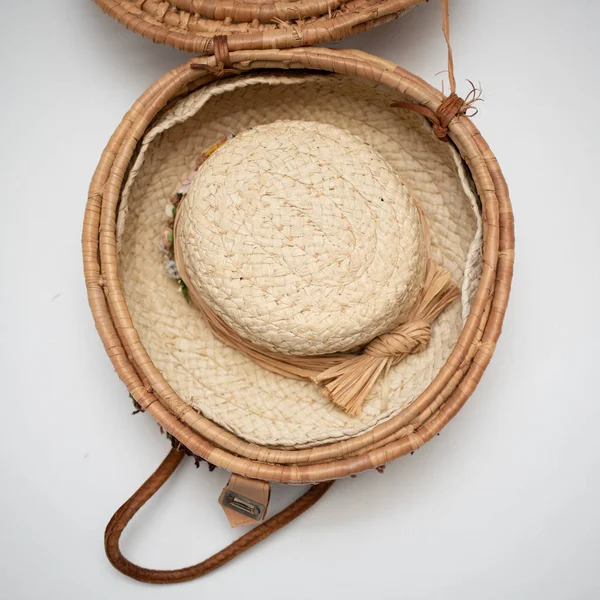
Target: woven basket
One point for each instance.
(251, 463)
(190, 25)
(401, 434)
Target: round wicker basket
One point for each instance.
(190, 25)
(403, 433)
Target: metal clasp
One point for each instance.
(244, 506)
(245, 501)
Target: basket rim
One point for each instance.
(403, 433)
(252, 25)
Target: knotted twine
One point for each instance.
(451, 106)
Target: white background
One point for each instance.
(505, 503)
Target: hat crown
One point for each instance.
(302, 239)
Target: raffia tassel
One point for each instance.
(348, 384)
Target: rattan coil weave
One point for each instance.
(191, 25)
(401, 434)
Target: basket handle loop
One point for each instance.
(121, 518)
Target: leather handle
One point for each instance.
(121, 518)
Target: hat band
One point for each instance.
(345, 378)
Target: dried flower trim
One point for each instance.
(166, 242)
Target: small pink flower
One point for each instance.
(167, 238)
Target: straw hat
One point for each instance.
(298, 256)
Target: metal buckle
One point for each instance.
(243, 505)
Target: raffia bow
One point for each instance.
(349, 383)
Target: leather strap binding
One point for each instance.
(121, 518)
(221, 51)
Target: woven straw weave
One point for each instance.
(303, 239)
(228, 388)
(190, 25)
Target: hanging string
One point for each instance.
(452, 105)
(446, 31)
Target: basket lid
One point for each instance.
(191, 25)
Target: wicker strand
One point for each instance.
(446, 31)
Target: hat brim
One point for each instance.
(225, 386)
